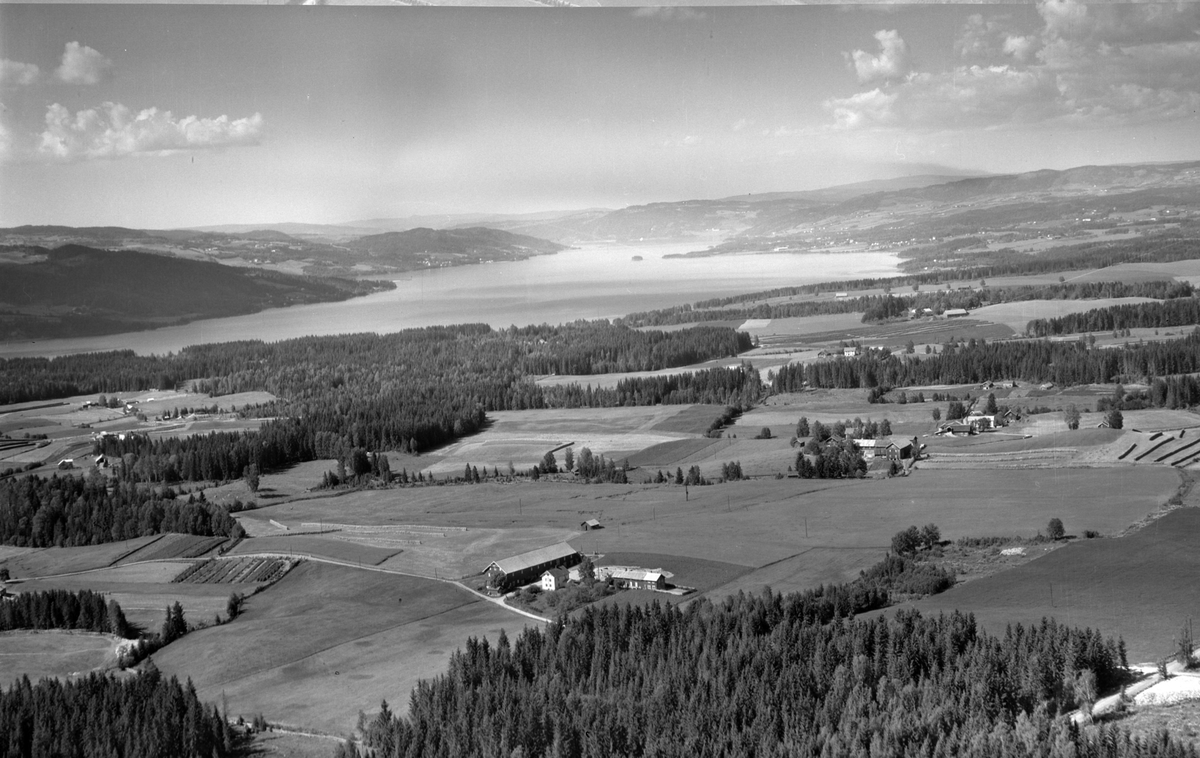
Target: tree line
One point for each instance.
(98, 715)
(766, 675)
(1184, 311)
(304, 366)
(1064, 363)
(84, 610)
(70, 511)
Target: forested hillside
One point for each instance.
(69, 511)
(765, 675)
(98, 715)
(75, 290)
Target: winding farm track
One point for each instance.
(333, 561)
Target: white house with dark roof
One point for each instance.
(554, 579)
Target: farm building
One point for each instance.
(554, 579)
(526, 567)
(886, 448)
(957, 427)
(639, 579)
(590, 524)
(985, 421)
(956, 313)
(66, 463)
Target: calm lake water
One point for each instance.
(592, 281)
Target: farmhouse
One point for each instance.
(554, 579)
(984, 421)
(526, 567)
(955, 312)
(590, 524)
(886, 448)
(639, 579)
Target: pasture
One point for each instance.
(53, 653)
(1017, 315)
(1141, 587)
(523, 437)
(65, 560)
(320, 546)
(144, 590)
(326, 641)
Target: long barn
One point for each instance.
(528, 567)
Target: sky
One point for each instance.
(160, 116)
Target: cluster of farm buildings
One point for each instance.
(553, 567)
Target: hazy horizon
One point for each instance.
(182, 116)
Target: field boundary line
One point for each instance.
(346, 641)
(382, 570)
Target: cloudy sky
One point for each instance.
(162, 116)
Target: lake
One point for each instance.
(588, 282)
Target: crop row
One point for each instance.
(247, 570)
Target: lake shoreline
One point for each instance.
(590, 281)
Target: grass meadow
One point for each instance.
(327, 641)
(53, 653)
(1141, 587)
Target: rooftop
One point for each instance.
(535, 557)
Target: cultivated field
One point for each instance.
(320, 546)
(235, 571)
(523, 437)
(1017, 316)
(327, 641)
(44, 653)
(173, 546)
(1141, 586)
(65, 560)
(144, 590)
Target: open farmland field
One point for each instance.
(523, 437)
(1158, 420)
(326, 641)
(926, 331)
(249, 570)
(1141, 586)
(804, 571)
(1018, 314)
(175, 546)
(698, 573)
(320, 546)
(781, 412)
(52, 653)
(64, 560)
(750, 523)
(144, 591)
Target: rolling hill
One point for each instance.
(75, 290)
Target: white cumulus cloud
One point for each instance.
(82, 65)
(891, 63)
(1085, 64)
(114, 131)
(15, 72)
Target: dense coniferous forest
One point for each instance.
(98, 715)
(1184, 311)
(978, 361)
(306, 367)
(70, 511)
(766, 675)
(63, 609)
